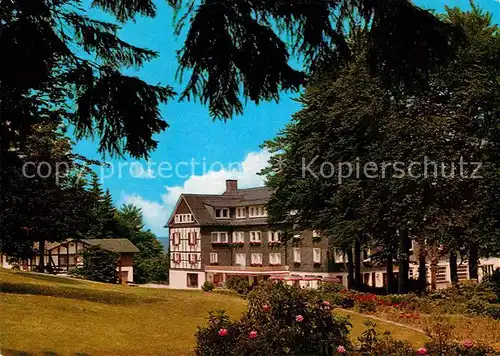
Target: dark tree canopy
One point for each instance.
(62, 63)
(244, 47)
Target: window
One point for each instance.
(255, 236)
(315, 233)
(316, 255)
(219, 237)
(275, 259)
(183, 218)
(192, 280)
(441, 274)
(176, 238)
(488, 270)
(274, 236)
(410, 273)
(338, 255)
(257, 211)
(222, 213)
(241, 259)
(256, 258)
(462, 272)
(297, 236)
(214, 258)
(238, 237)
(176, 258)
(193, 258)
(296, 255)
(192, 238)
(63, 260)
(241, 213)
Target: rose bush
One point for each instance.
(280, 320)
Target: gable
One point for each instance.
(181, 207)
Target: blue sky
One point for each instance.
(193, 135)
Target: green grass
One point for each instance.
(401, 333)
(47, 315)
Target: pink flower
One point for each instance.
(252, 335)
(222, 332)
(326, 303)
(468, 344)
(422, 351)
(341, 349)
(266, 307)
(299, 318)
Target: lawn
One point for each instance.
(47, 315)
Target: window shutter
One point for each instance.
(278, 258)
(176, 238)
(192, 238)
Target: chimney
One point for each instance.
(231, 185)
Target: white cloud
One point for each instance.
(212, 182)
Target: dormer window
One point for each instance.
(183, 218)
(257, 211)
(222, 213)
(241, 213)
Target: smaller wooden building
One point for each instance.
(61, 257)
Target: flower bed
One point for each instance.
(284, 319)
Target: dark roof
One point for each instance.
(113, 245)
(202, 205)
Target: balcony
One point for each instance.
(247, 269)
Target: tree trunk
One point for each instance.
(350, 269)
(390, 274)
(404, 262)
(473, 257)
(41, 254)
(422, 266)
(453, 267)
(434, 263)
(358, 282)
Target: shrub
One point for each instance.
(479, 307)
(279, 320)
(366, 303)
(453, 348)
(207, 286)
(372, 344)
(465, 291)
(493, 282)
(239, 284)
(98, 265)
(334, 293)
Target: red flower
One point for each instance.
(422, 351)
(299, 318)
(222, 332)
(326, 303)
(266, 307)
(252, 335)
(468, 344)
